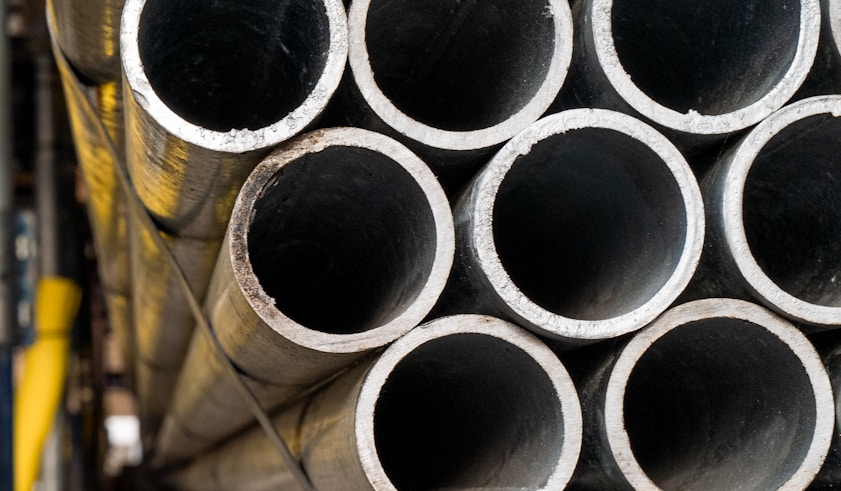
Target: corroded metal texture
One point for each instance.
(340, 242)
(462, 402)
(585, 226)
(715, 394)
(711, 68)
(774, 215)
(87, 31)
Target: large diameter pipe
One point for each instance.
(585, 226)
(340, 242)
(210, 88)
(463, 402)
(703, 68)
(830, 474)
(452, 79)
(87, 31)
(774, 214)
(715, 394)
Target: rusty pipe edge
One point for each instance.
(457, 75)
(585, 226)
(711, 68)
(774, 215)
(462, 402)
(714, 394)
(209, 89)
(87, 31)
(339, 242)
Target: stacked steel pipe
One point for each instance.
(386, 251)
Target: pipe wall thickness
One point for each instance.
(340, 242)
(453, 80)
(703, 69)
(714, 394)
(462, 402)
(774, 214)
(585, 226)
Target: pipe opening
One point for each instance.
(460, 65)
(792, 209)
(233, 65)
(719, 404)
(590, 224)
(343, 240)
(468, 411)
(710, 57)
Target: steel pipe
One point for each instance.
(340, 242)
(715, 394)
(774, 213)
(452, 80)
(833, 9)
(705, 68)
(95, 115)
(585, 226)
(210, 88)
(463, 402)
(87, 32)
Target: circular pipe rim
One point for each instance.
(693, 122)
(614, 408)
(378, 374)
(550, 323)
(732, 203)
(234, 140)
(264, 305)
(396, 119)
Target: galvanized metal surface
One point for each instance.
(585, 226)
(715, 394)
(710, 68)
(87, 31)
(340, 242)
(463, 402)
(773, 212)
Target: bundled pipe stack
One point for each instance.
(510, 244)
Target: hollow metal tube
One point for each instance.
(773, 213)
(87, 31)
(339, 242)
(585, 226)
(462, 402)
(209, 89)
(95, 116)
(705, 68)
(714, 394)
(453, 80)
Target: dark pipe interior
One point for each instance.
(343, 240)
(713, 57)
(460, 65)
(590, 224)
(468, 411)
(792, 210)
(719, 404)
(233, 65)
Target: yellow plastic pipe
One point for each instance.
(45, 365)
